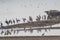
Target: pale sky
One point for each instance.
(12, 9)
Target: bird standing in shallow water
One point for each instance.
(17, 20)
(13, 21)
(7, 22)
(43, 34)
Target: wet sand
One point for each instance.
(31, 38)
